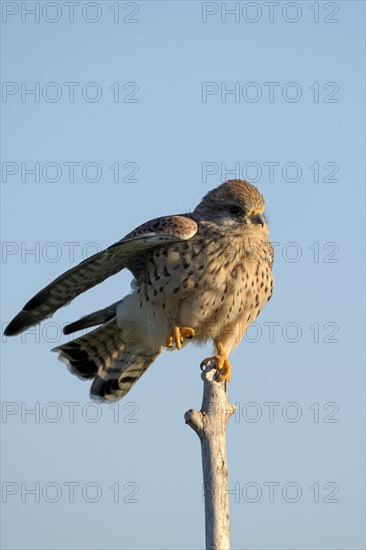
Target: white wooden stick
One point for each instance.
(210, 425)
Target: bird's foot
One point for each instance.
(222, 363)
(177, 335)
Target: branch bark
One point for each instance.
(210, 425)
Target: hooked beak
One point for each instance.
(258, 218)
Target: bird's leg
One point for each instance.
(221, 362)
(177, 334)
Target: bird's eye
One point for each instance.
(235, 210)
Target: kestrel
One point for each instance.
(198, 276)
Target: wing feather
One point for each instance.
(100, 266)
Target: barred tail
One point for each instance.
(101, 355)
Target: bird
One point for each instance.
(197, 277)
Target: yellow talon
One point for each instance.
(222, 363)
(177, 335)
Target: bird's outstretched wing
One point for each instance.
(100, 266)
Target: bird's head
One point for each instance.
(232, 204)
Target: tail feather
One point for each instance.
(111, 387)
(101, 355)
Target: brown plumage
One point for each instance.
(199, 276)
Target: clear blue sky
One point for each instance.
(151, 98)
